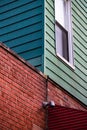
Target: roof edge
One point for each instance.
(2, 45)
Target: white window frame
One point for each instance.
(68, 27)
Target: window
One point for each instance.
(63, 30)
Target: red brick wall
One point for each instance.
(61, 97)
(22, 91)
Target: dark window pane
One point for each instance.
(65, 45)
(62, 41)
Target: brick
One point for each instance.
(35, 127)
(22, 91)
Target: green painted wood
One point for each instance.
(79, 37)
(82, 67)
(61, 70)
(67, 87)
(21, 29)
(28, 27)
(74, 81)
(78, 44)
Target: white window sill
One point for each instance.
(66, 62)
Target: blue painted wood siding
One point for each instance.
(21, 28)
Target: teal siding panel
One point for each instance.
(31, 54)
(5, 2)
(24, 39)
(21, 32)
(12, 4)
(35, 61)
(20, 17)
(21, 29)
(28, 46)
(72, 80)
(20, 9)
(20, 25)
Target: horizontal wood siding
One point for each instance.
(21, 28)
(74, 81)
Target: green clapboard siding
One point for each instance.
(74, 81)
(28, 27)
(21, 28)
